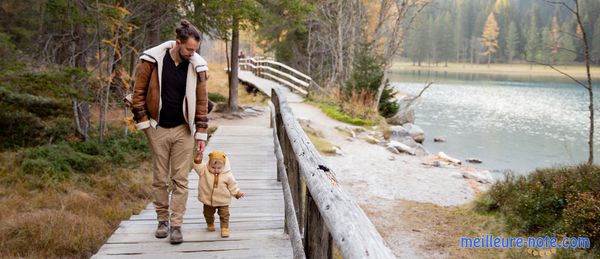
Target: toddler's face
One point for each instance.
(217, 165)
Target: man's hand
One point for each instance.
(200, 145)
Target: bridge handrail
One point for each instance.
(326, 215)
(301, 82)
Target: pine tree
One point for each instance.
(490, 37)
(554, 39)
(512, 41)
(567, 52)
(542, 54)
(445, 40)
(596, 42)
(532, 44)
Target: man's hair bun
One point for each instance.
(185, 23)
(187, 30)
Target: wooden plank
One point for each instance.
(265, 86)
(290, 77)
(239, 254)
(256, 222)
(199, 220)
(195, 236)
(290, 69)
(249, 244)
(287, 83)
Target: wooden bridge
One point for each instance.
(294, 206)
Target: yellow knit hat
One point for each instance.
(217, 155)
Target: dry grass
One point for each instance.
(219, 83)
(500, 69)
(440, 228)
(316, 138)
(67, 219)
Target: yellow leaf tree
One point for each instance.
(490, 37)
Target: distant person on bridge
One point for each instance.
(216, 186)
(170, 104)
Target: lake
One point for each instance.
(509, 122)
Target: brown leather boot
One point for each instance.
(176, 236)
(211, 227)
(224, 232)
(162, 230)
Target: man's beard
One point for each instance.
(183, 57)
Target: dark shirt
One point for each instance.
(172, 92)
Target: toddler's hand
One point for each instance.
(198, 158)
(239, 195)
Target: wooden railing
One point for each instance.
(273, 70)
(319, 214)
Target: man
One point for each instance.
(170, 104)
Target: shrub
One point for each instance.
(555, 201)
(60, 161)
(36, 107)
(217, 97)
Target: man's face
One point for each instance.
(217, 166)
(187, 49)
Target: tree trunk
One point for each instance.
(154, 27)
(104, 97)
(589, 83)
(81, 108)
(380, 89)
(308, 51)
(233, 74)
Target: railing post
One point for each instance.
(317, 240)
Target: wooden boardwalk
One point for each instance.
(265, 86)
(256, 222)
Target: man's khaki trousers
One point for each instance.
(171, 150)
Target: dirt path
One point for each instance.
(398, 193)
(394, 190)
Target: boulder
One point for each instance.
(392, 149)
(456, 175)
(398, 132)
(447, 158)
(480, 176)
(420, 150)
(402, 147)
(473, 160)
(439, 139)
(415, 132)
(405, 114)
(347, 130)
(338, 151)
(371, 139)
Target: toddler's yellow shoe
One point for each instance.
(211, 227)
(224, 232)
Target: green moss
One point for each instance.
(217, 97)
(334, 112)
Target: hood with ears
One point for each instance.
(226, 167)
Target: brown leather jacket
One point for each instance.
(146, 98)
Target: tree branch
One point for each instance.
(561, 3)
(424, 88)
(559, 71)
